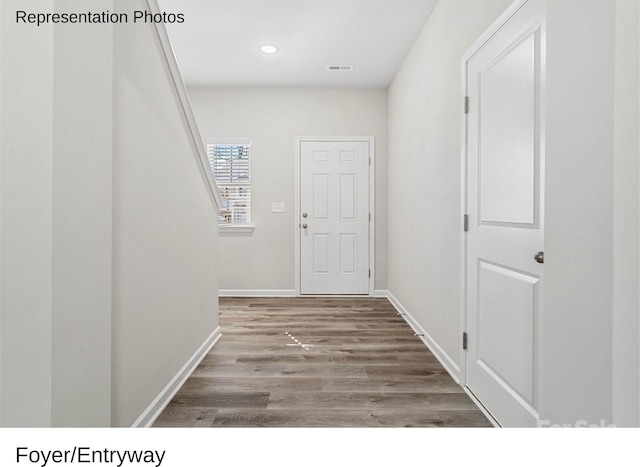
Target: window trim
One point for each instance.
(235, 228)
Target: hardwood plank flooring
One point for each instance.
(318, 362)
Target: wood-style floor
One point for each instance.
(318, 362)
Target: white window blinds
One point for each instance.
(231, 164)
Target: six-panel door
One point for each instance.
(334, 217)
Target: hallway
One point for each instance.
(318, 362)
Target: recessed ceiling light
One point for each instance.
(269, 49)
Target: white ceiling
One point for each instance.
(217, 45)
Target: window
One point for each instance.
(231, 165)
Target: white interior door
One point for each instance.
(334, 217)
(505, 208)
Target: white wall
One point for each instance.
(626, 264)
(589, 327)
(0, 208)
(165, 265)
(272, 118)
(576, 325)
(56, 263)
(425, 106)
(108, 235)
(81, 223)
(25, 249)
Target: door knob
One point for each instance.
(539, 257)
(304, 226)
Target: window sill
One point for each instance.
(226, 229)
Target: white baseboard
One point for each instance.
(443, 357)
(486, 413)
(257, 293)
(283, 293)
(162, 400)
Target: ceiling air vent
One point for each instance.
(340, 68)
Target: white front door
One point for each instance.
(505, 174)
(334, 217)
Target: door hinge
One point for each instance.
(369, 217)
(369, 273)
(466, 104)
(464, 341)
(466, 223)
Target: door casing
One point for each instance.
(297, 219)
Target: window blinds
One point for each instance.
(231, 165)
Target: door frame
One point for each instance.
(502, 20)
(297, 221)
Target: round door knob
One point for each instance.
(304, 226)
(539, 257)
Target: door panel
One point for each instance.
(348, 253)
(334, 235)
(321, 254)
(348, 197)
(508, 164)
(321, 197)
(505, 208)
(506, 301)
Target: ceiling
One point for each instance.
(218, 44)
